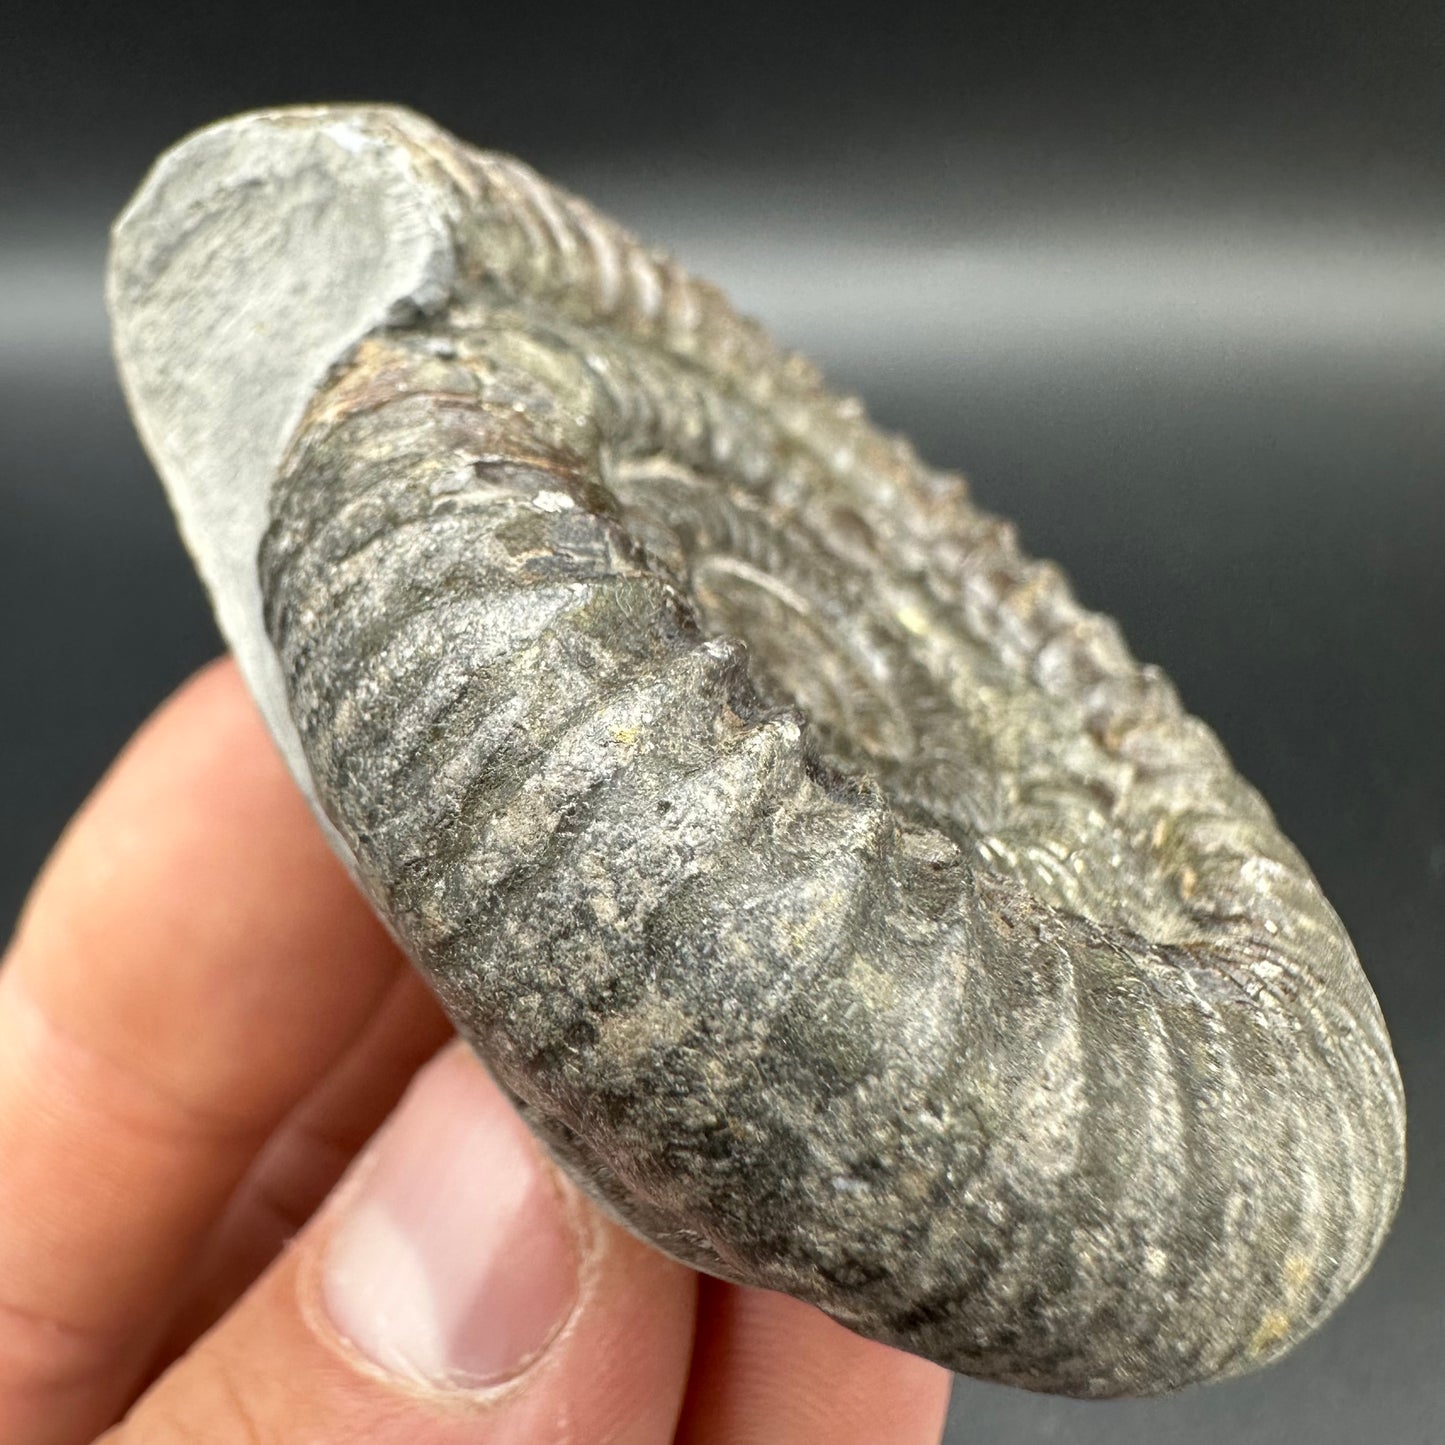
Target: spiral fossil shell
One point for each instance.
(843, 905)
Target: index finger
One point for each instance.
(190, 963)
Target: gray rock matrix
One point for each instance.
(844, 906)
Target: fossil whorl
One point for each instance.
(842, 904)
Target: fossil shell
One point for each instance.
(844, 906)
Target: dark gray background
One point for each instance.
(1167, 282)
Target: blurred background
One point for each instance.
(1166, 281)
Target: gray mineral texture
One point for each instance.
(843, 905)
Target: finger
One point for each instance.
(191, 961)
(454, 1290)
(769, 1370)
(308, 1154)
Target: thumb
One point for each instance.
(455, 1288)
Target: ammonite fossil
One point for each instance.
(844, 906)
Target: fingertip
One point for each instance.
(771, 1370)
(190, 962)
(453, 1287)
(457, 1260)
(457, 1255)
(201, 756)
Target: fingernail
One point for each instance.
(456, 1260)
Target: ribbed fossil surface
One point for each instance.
(843, 905)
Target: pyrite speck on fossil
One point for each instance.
(844, 906)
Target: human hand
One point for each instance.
(201, 1026)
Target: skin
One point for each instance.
(201, 1024)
